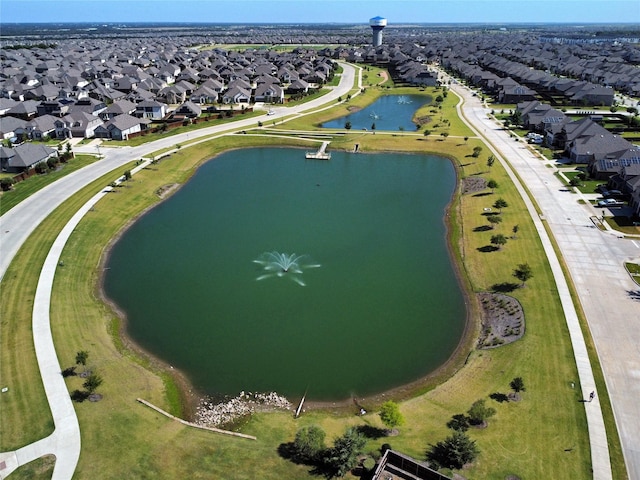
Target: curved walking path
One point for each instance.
(15, 228)
(593, 258)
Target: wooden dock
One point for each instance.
(321, 154)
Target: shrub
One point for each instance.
(453, 452)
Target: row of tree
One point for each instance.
(92, 380)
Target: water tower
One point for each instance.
(377, 24)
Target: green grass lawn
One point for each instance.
(26, 188)
(123, 439)
(586, 186)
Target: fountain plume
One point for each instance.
(277, 264)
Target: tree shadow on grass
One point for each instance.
(372, 432)
(504, 287)
(482, 228)
(482, 194)
(287, 451)
(488, 249)
(499, 397)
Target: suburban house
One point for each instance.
(151, 109)
(236, 94)
(118, 107)
(121, 126)
(40, 127)
(269, 93)
(611, 165)
(77, 124)
(538, 116)
(204, 95)
(24, 157)
(516, 93)
(188, 109)
(9, 126)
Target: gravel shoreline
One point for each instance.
(212, 414)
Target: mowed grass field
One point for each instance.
(542, 436)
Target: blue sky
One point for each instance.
(312, 11)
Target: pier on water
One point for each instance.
(321, 154)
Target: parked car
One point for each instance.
(610, 202)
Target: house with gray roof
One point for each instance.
(269, 93)
(151, 109)
(121, 127)
(39, 128)
(9, 125)
(77, 124)
(118, 108)
(24, 157)
(188, 109)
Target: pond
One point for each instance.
(389, 112)
(210, 284)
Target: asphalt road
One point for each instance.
(608, 296)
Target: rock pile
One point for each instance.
(212, 414)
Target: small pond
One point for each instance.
(389, 112)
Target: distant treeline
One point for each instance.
(30, 47)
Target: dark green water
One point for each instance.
(383, 309)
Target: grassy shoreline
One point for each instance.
(543, 357)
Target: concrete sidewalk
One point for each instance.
(503, 148)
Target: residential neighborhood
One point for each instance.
(539, 131)
(122, 86)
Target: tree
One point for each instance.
(453, 452)
(309, 444)
(517, 385)
(81, 357)
(479, 412)
(499, 240)
(92, 382)
(575, 182)
(6, 184)
(490, 161)
(476, 152)
(516, 117)
(515, 230)
(426, 132)
(523, 273)
(127, 175)
(494, 220)
(373, 126)
(347, 125)
(458, 422)
(492, 184)
(466, 139)
(444, 134)
(343, 456)
(390, 414)
(500, 203)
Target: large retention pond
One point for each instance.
(372, 305)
